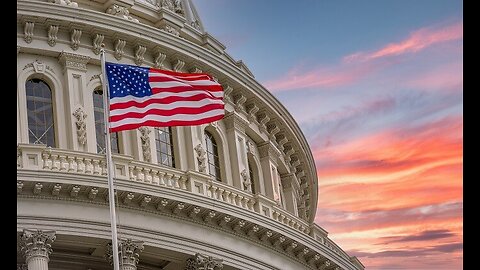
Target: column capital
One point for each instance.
(130, 253)
(204, 262)
(36, 243)
(234, 120)
(267, 149)
(74, 61)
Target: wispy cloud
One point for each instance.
(358, 66)
(417, 41)
(423, 236)
(445, 248)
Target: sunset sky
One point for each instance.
(377, 89)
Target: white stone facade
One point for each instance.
(259, 216)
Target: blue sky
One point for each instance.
(377, 89)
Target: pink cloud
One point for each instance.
(448, 77)
(417, 41)
(320, 77)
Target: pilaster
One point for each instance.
(269, 162)
(75, 68)
(236, 138)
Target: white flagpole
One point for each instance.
(111, 196)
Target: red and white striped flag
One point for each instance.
(141, 96)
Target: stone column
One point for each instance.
(129, 254)
(237, 146)
(203, 262)
(36, 245)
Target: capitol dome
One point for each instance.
(239, 193)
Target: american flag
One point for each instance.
(142, 96)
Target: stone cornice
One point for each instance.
(267, 149)
(204, 217)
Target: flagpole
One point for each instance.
(108, 152)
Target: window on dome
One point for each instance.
(41, 129)
(98, 112)
(164, 143)
(252, 176)
(212, 156)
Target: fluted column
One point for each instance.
(129, 254)
(203, 262)
(36, 245)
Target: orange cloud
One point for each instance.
(417, 41)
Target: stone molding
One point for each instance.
(74, 61)
(203, 262)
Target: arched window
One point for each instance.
(41, 129)
(212, 156)
(252, 177)
(164, 143)
(100, 124)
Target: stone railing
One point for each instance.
(40, 157)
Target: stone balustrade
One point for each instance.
(42, 158)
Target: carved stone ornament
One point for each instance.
(159, 58)
(203, 262)
(171, 30)
(179, 65)
(52, 35)
(250, 147)
(119, 45)
(139, 52)
(36, 243)
(65, 3)
(247, 184)
(75, 38)
(145, 138)
(226, 93)
(121, 12)
(168, 4)
(75, 61)
(130, 252)
(97, 43)
(201, 157)
(38, 67)
(81, 125)
(177, 6)
(28, 32)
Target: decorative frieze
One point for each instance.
(314, 260)
(28, 32)
(178, 208)
(145, 138)
(119, 45)
(279, 242)
(194, 212)
(81, 125)
(267, 149)
(238, 227)
(224, 221)
(263, 119)
(162, 204)
(281, 140)
(203, 262)
(272, 129)
(52, 35)
(201, 157)
(68, 3)
(121, 12)
(324, 265)
(139, 53)
(209, 216)
(36, 246)
(97, 43)
(75, 36)
(74, 61)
